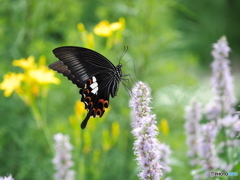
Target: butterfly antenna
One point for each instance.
(125, 49)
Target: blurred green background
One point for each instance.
(170, 42)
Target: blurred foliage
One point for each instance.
(203, 22)
(169, 44)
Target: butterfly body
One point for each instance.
(93, 73)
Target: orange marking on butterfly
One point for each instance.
(87, 91)
(90, 105)
(88, 99)
(99, 112)
(104, 102)
(90, 81)
(101, 100)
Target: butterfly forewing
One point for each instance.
(83, 63)
(93, 73)
(61, 68)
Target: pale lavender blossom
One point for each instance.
(213, 110)
(7, 177)
(237, 129)
(221, 49)
(217, 143)
(226, 167)
(140, 107)
(193, 115)
(237, 126)
(222, 80)
(150, 153)
(164, 157)
(228, 121)
(206, 148)
(63, 158)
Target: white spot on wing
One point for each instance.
(94, 79)
(95, 90)
(94, 85)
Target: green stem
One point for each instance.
(109, 43)
(42, 124)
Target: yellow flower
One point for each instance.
(115, 130)
(106, 143)
(42, 61)
(25, 63)
(35, 90)
(103, 29)
(90, 41)
(81, 27)
(164, 126)
(118, 25)
(79, 108)
(43, 75)
(122, 22)
(11, 82)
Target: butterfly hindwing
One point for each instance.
(95, 100)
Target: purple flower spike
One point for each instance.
(222, 81)
(207, 151)
(151, 155)
(193, 116)
(63, 158)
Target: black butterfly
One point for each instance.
(93, 73)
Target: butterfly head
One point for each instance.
(119, 70)
(119, 66)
